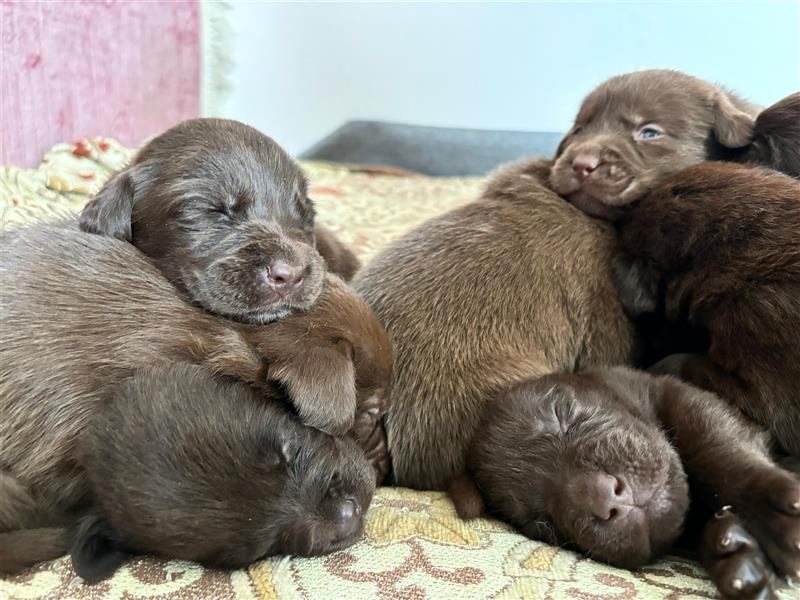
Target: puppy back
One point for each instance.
(513, 285)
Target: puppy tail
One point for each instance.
(466, 497)
(25, 547)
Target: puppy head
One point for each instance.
(567, 463)
(334, 360)
(186, 466)
(776, 137)
(636, 129)
(222, 210)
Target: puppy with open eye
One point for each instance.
(224, 214)
(511, 286)
(603, 461)
(183, 464)
(634, 130)
(718, 246)
(80, 313)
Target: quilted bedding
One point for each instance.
(414, 544)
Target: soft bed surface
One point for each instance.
(414, 545)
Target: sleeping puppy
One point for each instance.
(776, 138)
(603, 461)
(634, 130)
(223, 212)
(81, 312)
(511, 286)
(718, 246)
(183, 464)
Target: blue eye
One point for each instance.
(649, 133)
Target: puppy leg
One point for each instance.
(339, 259)
(728, 462)
(702, 371)
(18, 509)
(466, 497)
(26, 547)
(369, 432)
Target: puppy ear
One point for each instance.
(109, 212)
(95, 553)
(321, 383)
(466, 497)
(732, 126)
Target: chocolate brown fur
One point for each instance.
(80, 313)
(511, 286)
(776, 138)
(338, 257)
(223, 212)
(599, 460)
(608, 159)
(717, 245)
(185, 465)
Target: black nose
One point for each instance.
(348, 518)
(284, 277)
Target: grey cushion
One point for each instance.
(430, 150)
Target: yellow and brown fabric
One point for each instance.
(414, 545)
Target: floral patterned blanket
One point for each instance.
(414, 545)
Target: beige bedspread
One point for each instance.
(414, 546)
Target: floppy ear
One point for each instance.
(732, 126)
(109, 212)
(95, 553)
(321, 383)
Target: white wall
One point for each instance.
(303, 69)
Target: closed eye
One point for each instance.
(219, 211)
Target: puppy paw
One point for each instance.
(770, 511)
(752, 552)
(734, 560)
(370, 434)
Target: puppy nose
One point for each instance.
(348, 518)
(584, 165)
(608, 497)
(283, 276)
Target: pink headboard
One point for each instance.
(125, 69)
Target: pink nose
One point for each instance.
(584, 165)
(284, 277)
(608, 497)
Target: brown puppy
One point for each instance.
(634, 130)
(599, 460)
(185, 465)
(718, 245)
(223, 212)
(776, 138)
(80, 313)
(338, 257)
(512, 286)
